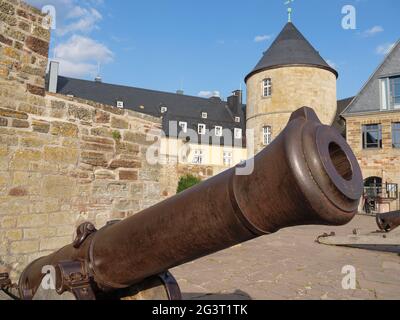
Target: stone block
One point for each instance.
(57, 186)
(3, 122)
(104, 174)
(121, 163)
(128, 175)
(22, 158)
(97, 147)
(8, 222)
(139, 138)
(36, 90)
(62, 219)
(40, 126)
(102, 117)
(39, 233)
(80, 113)
(119, 123)
(32, 220)
(5, 40)
(64, 129)
(94, 159)
(24, 247)
(14, 235)
(10, 20)
(22, 124)
(55, 243)
(12, 53)
(32, 142)
(38, 46)
(13, 114)
(101, 132)
(7, 8)
(60, 155)
(18, 192)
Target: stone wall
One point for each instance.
(292, 88)
(71, 161)
(383, 163)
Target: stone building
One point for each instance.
(373, 131)
(291, 74)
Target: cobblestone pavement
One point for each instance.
(290, 265)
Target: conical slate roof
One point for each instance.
(290, 48)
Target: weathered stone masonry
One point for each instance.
(62, 160)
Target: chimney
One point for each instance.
(235, 101)
(53, 76)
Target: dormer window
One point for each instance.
(218, 131)
(120, 104)
(267, 87)
(201, 129)
(238, 133)
(237, 119)
(204, 115)
(164, 109)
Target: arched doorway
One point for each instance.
(373, 188)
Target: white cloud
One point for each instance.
(385, 48)
(373, 31)
(262, 38)
(79, 48)
(84, 21)
(77, 70)
(209, 94)
(80, 56)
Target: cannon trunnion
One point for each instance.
(307, 176)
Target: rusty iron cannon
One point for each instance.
(388, 221)
(307, 176)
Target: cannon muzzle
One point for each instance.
(307, 176)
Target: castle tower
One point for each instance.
(291, 74)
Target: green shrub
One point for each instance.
(187, 182)
(116, 135)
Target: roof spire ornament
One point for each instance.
(290, 10)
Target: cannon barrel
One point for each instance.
(307, 176)
(388, 221)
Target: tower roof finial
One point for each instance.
(290, 10)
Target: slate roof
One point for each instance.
(180, 107)
(290, 48)
(340, 123)
(368, 99)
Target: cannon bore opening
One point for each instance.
(341, 161)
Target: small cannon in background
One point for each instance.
(388, 221)
(307, 176)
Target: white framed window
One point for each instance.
(218, 131)
(164, 109)
(183, 126)
(198, 157)
(237, 119)
(201, 129)
(120, 104)
(227, 158)
(267, 135)
(238, 133)
(390, 93)
(204, 115)
(267, 87)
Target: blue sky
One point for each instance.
(207, 46)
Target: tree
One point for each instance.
(187, 182)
